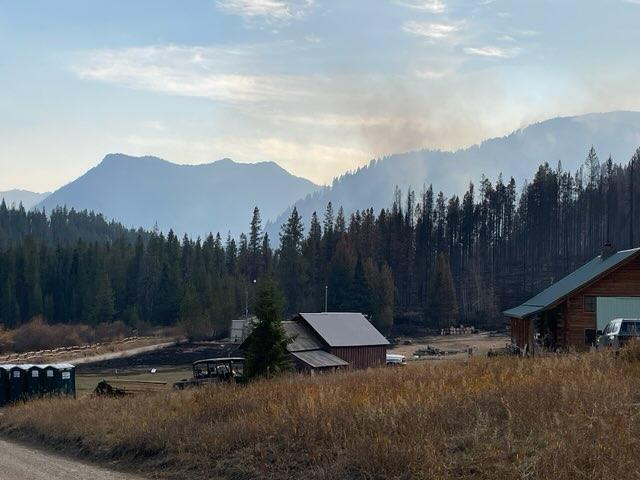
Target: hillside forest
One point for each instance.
(426, 261)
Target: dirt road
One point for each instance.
(18, 462)
(121, 354)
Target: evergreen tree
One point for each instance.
(381, 294)
(266, 348)
(193, 320)
(291, 267)
(103, 306)
(255, 254)
(442, 308)
(267, 255)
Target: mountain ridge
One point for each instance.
(517, 154)
(27, 198)
(194, 199)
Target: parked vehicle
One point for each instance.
(395, 359)
(212, 370)
(618, 332)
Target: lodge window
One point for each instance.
(590, 336)
(589, 303)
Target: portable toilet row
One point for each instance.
(20, 382)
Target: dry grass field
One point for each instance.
(569, 417)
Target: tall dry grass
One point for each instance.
(574, 417)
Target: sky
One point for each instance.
(318, 86)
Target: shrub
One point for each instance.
(107, 332)
(39, 335)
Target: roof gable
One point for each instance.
(344, 329)
(303, 337)
(579, 278)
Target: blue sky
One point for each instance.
(318, 86)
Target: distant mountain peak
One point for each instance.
(195, 199)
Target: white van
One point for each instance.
(618, 332)
(396, 359)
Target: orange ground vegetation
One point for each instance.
(568, 417)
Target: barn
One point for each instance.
(570, 313)
(333, 340)
(347, 336)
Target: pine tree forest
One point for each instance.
(427, 261)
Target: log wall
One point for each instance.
(621, 282)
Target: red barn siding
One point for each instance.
(362, 357)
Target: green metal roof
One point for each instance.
(584, 275)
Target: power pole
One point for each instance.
(326, 297)
(246, 299)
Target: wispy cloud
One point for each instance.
(210, 72)
(435, 6)
(271, 11)
(333, 120)
(434, 31)
(490, 51)
(432, 74)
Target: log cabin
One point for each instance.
(571, 313)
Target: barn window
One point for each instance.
(589, 303)
(590, 336)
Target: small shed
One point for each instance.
(241, 328)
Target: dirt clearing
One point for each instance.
(170, 363)
(480, 343)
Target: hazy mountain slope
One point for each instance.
(193, 199)
(28, 199)
(518, 154)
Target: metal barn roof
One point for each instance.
(303, 339)
(590, 271)
(344, 329)
(319, 359)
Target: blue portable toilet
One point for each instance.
(4, 384)
(17, 382)
(50, 384)
(35, 380)
(66, 379)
